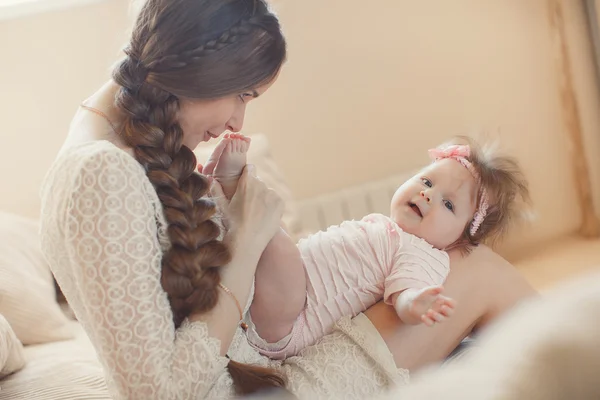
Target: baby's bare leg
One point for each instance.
(280, 281)
(280, 288)
(280, 284)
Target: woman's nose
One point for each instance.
(233, 127)
(236, 122)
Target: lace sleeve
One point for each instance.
(107, 258)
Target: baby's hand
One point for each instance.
(429, 306)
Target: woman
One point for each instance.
(133, 242)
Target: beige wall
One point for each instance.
(368, 89)
(50, 62)
(365, 92)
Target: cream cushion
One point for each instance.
(12, 357)
(27, 293)
(67, 369)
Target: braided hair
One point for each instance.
(197, 49)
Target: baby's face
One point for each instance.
(437, 203)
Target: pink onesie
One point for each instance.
(349, 268)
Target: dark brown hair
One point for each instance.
(507, 191)
(197, 49)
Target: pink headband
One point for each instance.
(460, 154)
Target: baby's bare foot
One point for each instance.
(231, 162)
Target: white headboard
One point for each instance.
(321, 212)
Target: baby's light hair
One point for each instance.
(507, 192)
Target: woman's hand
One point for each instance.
(253, 215)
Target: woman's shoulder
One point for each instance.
(94, 170)
(94, 152)
(96, 179)
(97, 158)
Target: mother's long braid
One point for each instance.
(190, 268)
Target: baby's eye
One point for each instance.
(448, 204)
(427, 182)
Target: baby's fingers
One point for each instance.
(433, 290)
(446, 301)
(436, 316)
(446, 311)
(427, 320)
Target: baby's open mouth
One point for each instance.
(416, 209)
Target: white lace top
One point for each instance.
(103, 233)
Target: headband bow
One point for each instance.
(453, 151)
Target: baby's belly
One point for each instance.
(325, 308)
(344, 276)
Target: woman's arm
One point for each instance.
(224, 319)
(103, 245)
(484, 286)
(545, 349)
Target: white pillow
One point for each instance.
(259, 154)
(12, 357)
(27, 294)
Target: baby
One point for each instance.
(465, 196)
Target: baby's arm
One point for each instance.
(280, 280)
